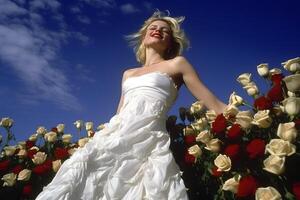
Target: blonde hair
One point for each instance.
(179, 41)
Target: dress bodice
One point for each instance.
(155, 91)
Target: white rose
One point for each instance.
(66, 138)
(9, 179)
(33, 137)
(200, 124)
(262, 119)
(244, 79)
(6, 122)
(280, 147)
(232, 184)
(204, 137)
(41, 130)
(211, 115)
(56, 165)
(291, 105)
(197, 107)
(24, 175)
(21, 145)
(223, 163)
(263, 69)
(235, 99)
(213, 145)
(230, 111)
(89, 126)
(78, 124)
(22, 153)
(39, 158)
(244, 118)
(9, 150)
(274, 164)
(50, 136)
(251, 89)
(195, 151)
(292, 65)
(267, 193)
(188, 130)
(82, 141)
(287, 131)
(291, 94)
(60, 128)
(275, 71)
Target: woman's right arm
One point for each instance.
(125, 74)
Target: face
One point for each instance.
(158, 34)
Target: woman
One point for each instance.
(130, 158)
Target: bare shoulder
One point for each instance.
(127, 72)
(180, 63)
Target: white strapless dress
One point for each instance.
(130, 158)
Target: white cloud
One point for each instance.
(128, 8)
(44, 4)
(84, 19)
(75, 9)
(10, 8)
(148, 5)
(101, 3)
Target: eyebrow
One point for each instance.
(162, 26)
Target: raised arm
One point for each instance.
(122, 97)
(196, 87)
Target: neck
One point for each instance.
(153, 57)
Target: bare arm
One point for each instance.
(196, 87)
(122, 97)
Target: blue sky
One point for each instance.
(63, 60)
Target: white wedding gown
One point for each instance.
(130, 158)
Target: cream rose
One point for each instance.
(6, 122)
(197, 107)
(232, 184)
(9, 179)
(39, 158)
(251, 89)
(244, 79)
(41, 130)
(275, 71)
(223, 163)
(292, 65)
(267, 193)
(195, 151)
(56, 165)
(213, 145)
(22, 153)
(188, 130)
(82, 141)
(60, 128)
(263, 69)
(67, 138)
(89, 126)
(21, 145)
(24, 175)
(235, 100)
(244, 118)
(200, 124)
(9, 150)
(204, 137)
(230, 111)
(78, 124)
(287, 131)
(100, 127)
(262, 119)
(50, 136)
(34, 148)
(291, 105)
(274, 164)
(280, 147)
(211, 115)
(33, 137)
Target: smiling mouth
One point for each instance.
(157, 35)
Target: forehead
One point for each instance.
(159, 23)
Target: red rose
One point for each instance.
(29, 144)
(43, 168)
(215, 172)
(256, 148)
(189, 139)
(219, 125)
(247, 186)
(262, 103)
(235, 131)
(17, 169)
(296, 190)
(4, 165)
(277, 78)
(189, 159)
(61, 153)
(232, 151)
(27, 190)
(297, 124)
(31, 152)
(275, 93)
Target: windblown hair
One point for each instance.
(179, 41)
